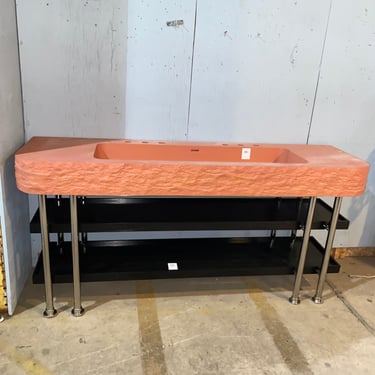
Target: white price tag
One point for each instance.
(172, 267)
(246, 153)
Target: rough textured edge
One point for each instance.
(343, 252)
(3, 300)
(81, 178)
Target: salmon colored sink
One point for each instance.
(193, 153)
(81, 166)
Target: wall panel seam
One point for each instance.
(318, 76)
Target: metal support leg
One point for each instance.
(272, 238)
(294, 299)
(60, 242)
(50, 310)
(77, 307)
(84, 241)
(330, 237)
(293, 236)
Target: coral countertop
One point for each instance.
(82, 166)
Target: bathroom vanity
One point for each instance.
(100, 185)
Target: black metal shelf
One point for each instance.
(182, 214)
(148, 259)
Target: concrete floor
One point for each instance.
(198, 326)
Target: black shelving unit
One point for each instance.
(149, 258)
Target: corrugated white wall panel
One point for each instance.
(13, 204)
(11, 121)
(344, 113)
(159, 68)
(255, 69)
(73, 61)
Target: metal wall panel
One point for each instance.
(159, 68)
(13, 204)
(73, 62)
(344, 113)
(255, 69)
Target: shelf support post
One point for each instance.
(77, 307)
(294, 299)
(50, 310)
(330, 237)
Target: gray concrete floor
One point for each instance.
(198, 326)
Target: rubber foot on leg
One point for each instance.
(78, 312)
(294, 300)
(317, 300)
(49, 313)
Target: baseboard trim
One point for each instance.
(343, 252)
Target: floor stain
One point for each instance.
(288, 348)
(152, 351)
(30, 365)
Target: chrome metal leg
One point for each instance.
(77, 307)
(294, 299)
(293, 236)
(50, 310)
(272, 238)
(330, 237)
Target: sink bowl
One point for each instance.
(195, 153)
(83, 166)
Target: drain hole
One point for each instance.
(194, 150)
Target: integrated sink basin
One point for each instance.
(220, 153)
(82, 166)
